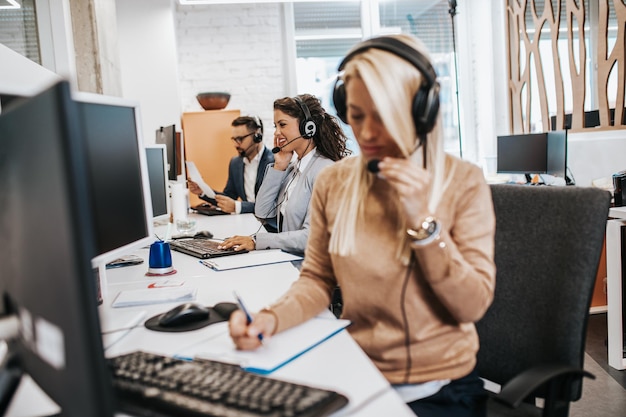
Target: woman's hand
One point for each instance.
(246, 336)
(410, 182)
(282, 158)
(238, 243)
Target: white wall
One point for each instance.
(148, 61)
(595, 155)
(234, 48)
(169, 53)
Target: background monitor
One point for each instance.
(118, 175)
(557, 154)
(166, 135)
(522, 154)
(46, 278)
(156, 159)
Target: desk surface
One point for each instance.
(338, 364)
(617, 212)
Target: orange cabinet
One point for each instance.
(599, 291)
(207, 143)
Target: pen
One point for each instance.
(209, 264)
(245, 311)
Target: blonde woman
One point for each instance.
(404, 229)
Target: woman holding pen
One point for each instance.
(405, 230)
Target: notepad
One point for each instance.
(254, 258)
(153, 296)
(276, 352)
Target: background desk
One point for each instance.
(614, 287)
(338, 364)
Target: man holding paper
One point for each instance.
(245, 172)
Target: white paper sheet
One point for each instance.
(153, 296)
(276, 351)
(195, 176)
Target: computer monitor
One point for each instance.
(166, 135)
(48, 241)
(156, 158)
(118, 175)
(522, 154)
(557, 154)
(533, 153)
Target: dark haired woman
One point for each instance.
(306, 140)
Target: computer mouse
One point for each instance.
(184, 314)
(203, 234)
(225, 309)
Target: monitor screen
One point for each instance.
(156, 158)
(522, 154)
(166, 135)
(557, 153)
(46, 277)
(118, 175)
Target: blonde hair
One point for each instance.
(392, 82)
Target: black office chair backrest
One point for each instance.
(548, 244)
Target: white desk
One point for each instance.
(338, 364)
(615, 325)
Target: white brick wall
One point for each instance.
(233, 48)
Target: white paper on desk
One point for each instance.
(253, 258)
(153, 296)
(122, 320)
(195, 176)
(279, 350)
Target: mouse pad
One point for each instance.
(218, 313)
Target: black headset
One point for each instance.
(258, 136)
(308, 128)
(426, 100)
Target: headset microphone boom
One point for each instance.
(279, 148)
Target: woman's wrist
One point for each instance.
(267, 310)
(426, 232)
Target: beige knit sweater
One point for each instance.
(448, 289)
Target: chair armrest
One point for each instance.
(522, 385)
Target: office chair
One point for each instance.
(532, 339)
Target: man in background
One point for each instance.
(246, 171)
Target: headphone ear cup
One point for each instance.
(425, 108)
(339, 100)
(308, 128)
(258, 138)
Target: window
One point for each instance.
(325, 31)
(18, 29)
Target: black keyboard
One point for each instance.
(208, 210)
(152, 385)
(202, 248)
